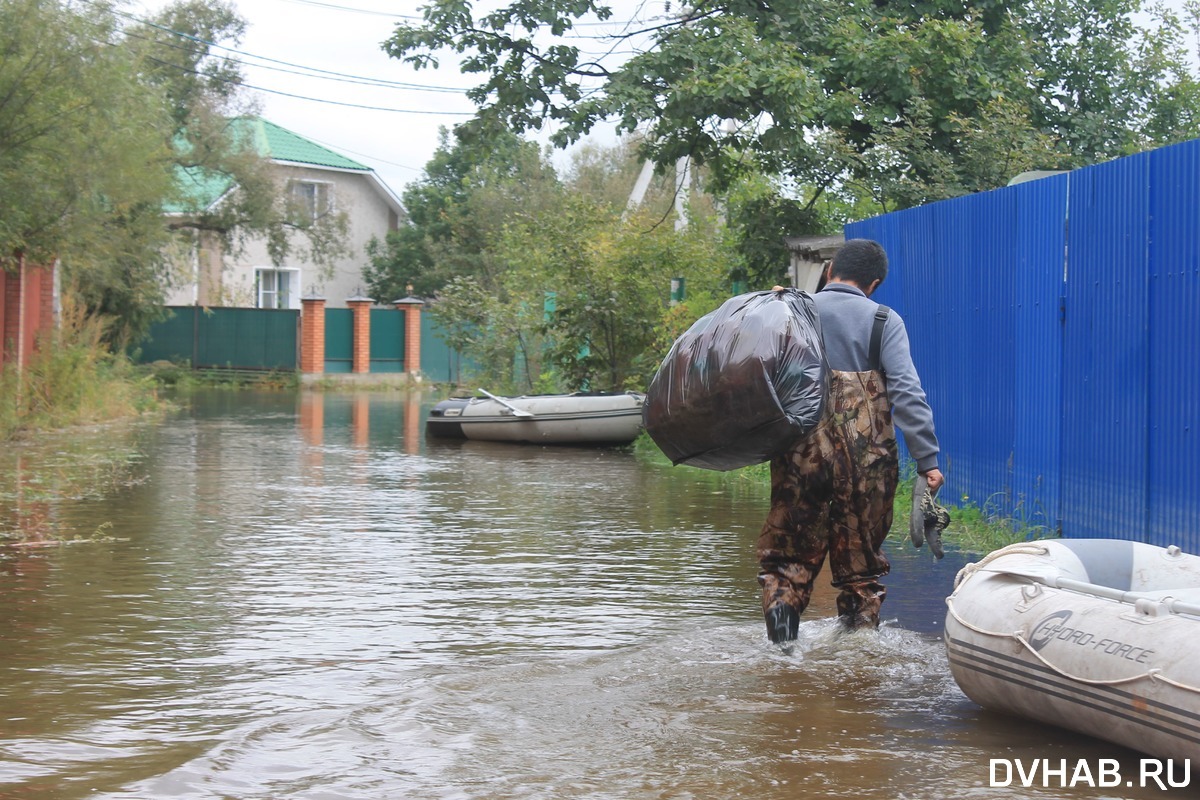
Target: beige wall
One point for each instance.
(368, 214)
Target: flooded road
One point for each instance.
(299, 597)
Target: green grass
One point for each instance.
(973, 529)
(72, 379)
(183, 378)
(61, 419)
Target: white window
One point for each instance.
(277, 288)
(309, 201)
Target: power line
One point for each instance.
(181, 41)
(314, 70)
(359, 105)
(371, 12)
(390, 15)
(310, 72)
(191, 71)
(328, 76)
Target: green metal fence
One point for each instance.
(440, 362)
(231, 338)
(339, 340)
(387, 340)
(253, 338)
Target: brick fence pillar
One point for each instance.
(411, 306)
(31, 310)
(8, 312)
(312, 334)
(26, 309)
(361, 307)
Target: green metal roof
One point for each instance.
(283, 145)
(200, 188)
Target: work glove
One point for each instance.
(928, 519)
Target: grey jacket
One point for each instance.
(847, 316)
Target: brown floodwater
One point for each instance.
(296, 596)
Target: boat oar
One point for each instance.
(1132, 598)
(517, 412)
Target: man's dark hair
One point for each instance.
(861, 261)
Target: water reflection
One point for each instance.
(315, 603)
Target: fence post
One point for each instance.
(678, 290)
(312, 334)
(411, 306)
(361, 359)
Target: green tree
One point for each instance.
(85, 165)
(457, 211)
(607, 280)
(550, 285)
(610, 297)
(760, 216)
(176, 47)
(827, 93)
(1107, 85)
(102, 124)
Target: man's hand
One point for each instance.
(935, 479)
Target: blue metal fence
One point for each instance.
(1105, 356)
(1056, 326)
(1173, 471)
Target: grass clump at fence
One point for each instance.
(973, 528)
(73, 378)
(183, 377)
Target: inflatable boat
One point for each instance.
(581, 418)
(1100, 636)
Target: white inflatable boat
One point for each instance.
(1100, 636)
(582, 418)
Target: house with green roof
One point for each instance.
(316, 181)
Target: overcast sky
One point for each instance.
(311, 62)
(327, 55)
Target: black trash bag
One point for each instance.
(742, 385)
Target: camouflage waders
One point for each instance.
(832, 494)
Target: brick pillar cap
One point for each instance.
(312, 297)
(360, 300)
(408, 301)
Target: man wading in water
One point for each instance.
(832, 492)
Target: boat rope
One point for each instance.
(1021, 548)
(1153, 675)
